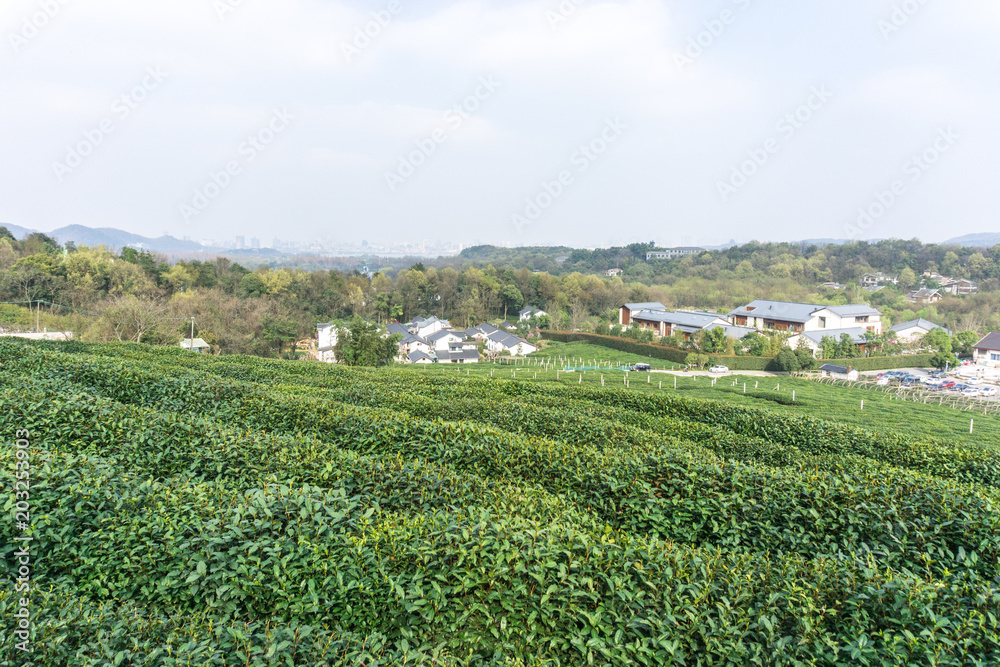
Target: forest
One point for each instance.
(132, 295)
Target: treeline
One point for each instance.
(135, 295)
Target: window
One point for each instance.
(863, 318)
(822, 323)
(994, 356)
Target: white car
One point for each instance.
(718, 369)
(989, 391)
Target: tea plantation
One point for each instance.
(194, 510)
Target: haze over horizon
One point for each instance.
(556, 123)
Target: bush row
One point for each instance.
(469, 584)
(667, 489)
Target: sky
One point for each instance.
(554, 122)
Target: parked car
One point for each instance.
(641, 367)
(718, 369)
(989, 391)
(971, 391)
(948, 384)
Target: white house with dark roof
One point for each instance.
(444, 338)
(529, 312)
(501, 341)
(840, 372)
(987, 351)
(428, 327)
(397, 328)
(411, 343)
(914, 330)
(813, 339)
(463, 352)
(419, 357)
(804, 317)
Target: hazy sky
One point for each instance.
(576, 122)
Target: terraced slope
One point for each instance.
(235, 511)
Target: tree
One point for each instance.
(937, 340)
(942, 360)
(279, 331)
(847, 348)
(512, 299)
(362, 344)
(963, 341)
(129, 318)
(829, 347)
(807, 361)
(907, 278)
(787, 361)
(755, 344)
(713, 341)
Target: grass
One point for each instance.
(881, 411)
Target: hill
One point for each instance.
(190, 507)
(117, 239)
(976, 240)
(19, 232)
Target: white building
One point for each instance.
(987, 351)
(673, 253)
(840, 372)
(914, 330)
(529, 312)
(804, 317)
(443, 339)
(501, 341)
(326, 335)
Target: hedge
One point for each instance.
(745, 363)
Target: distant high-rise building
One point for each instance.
(241, 242)
(255, 244)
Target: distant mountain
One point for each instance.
(987, 240)
(19, 232)
(116, 238)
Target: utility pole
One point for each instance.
(38, 316)
(192, 334)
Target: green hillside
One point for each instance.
(241, 511)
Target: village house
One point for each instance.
(411, 343)
(419, 357)
(501, 341)
(914, 330)
(673, 253)
(795, 318)
(683, 322)
(326, 338)
(528, 312)
(840, 372)
(625, 312)
(987, 351)
(196, 345)
(813, 339)
(611, 273)
(461, 352)
(961, 287)
(924, 295)
(444, 338)
(878, 278)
